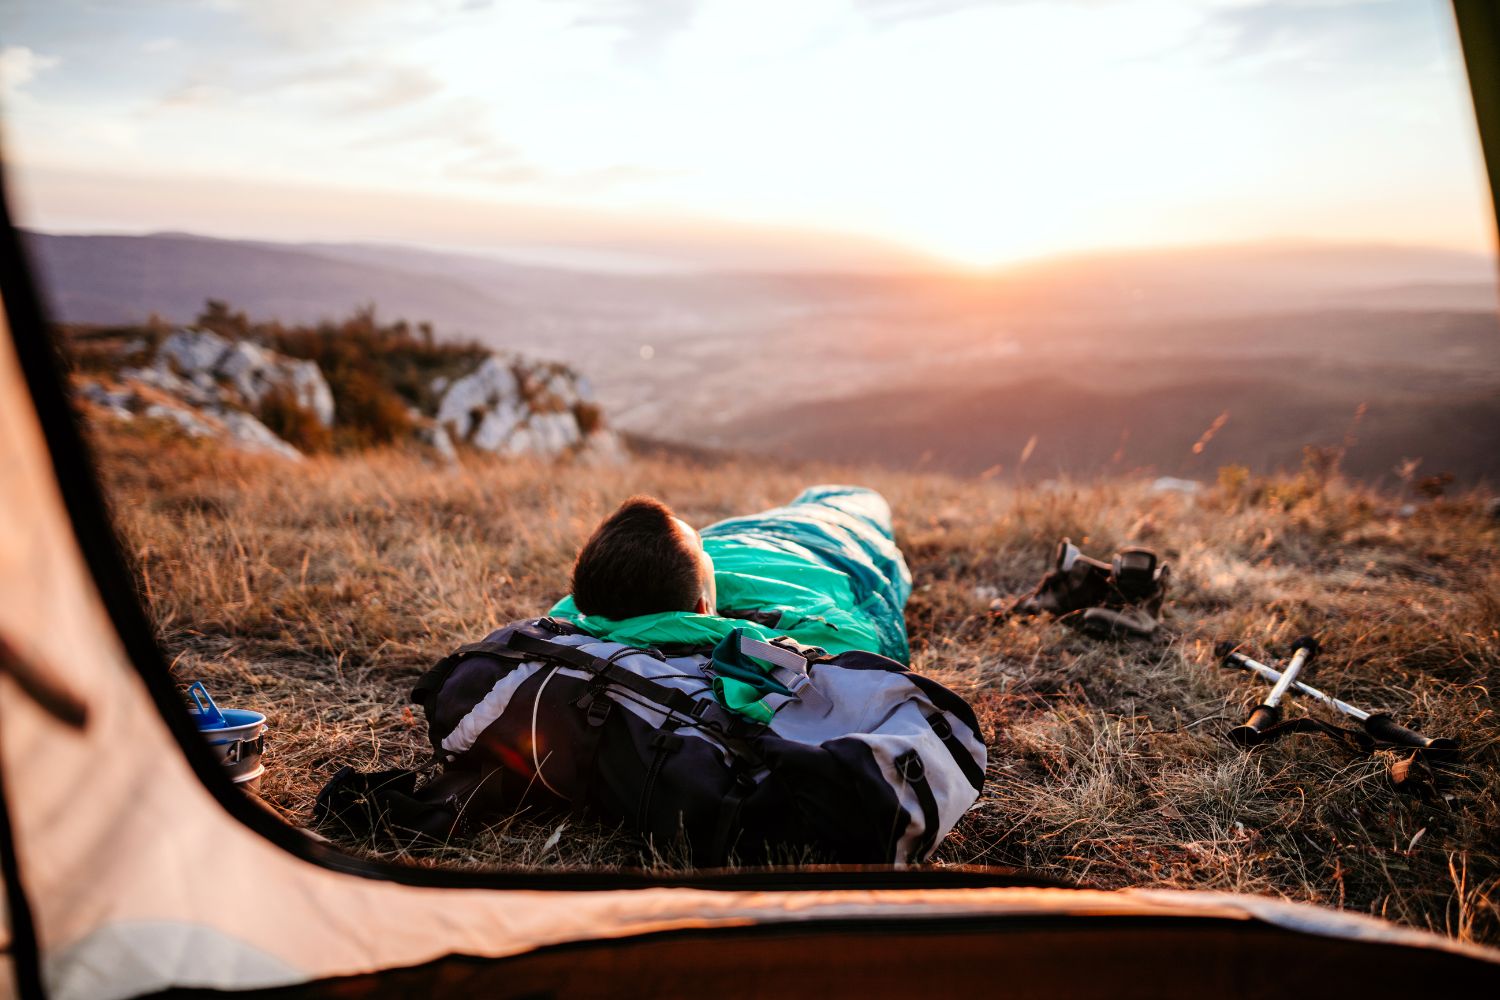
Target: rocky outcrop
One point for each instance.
(216, 366)
(511, 406)
(136, 398)
(209, 385)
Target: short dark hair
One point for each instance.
(637, 562)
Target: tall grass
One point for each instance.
(318, 594)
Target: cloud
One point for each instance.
(352, 87)
(365, 86)
(193, 94)
(458, 123)
(1326, 33)
(19, 65)
(896, 11)
(310, 26)
(645, 26)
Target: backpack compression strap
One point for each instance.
(706, 715)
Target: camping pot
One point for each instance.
(236, 736)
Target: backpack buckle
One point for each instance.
(598, 710)
(666, 741)
(940, 726)
(909, 765)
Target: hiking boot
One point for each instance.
(1076, 582)
(1118, 598)
(1135, 622)
(1134, 607)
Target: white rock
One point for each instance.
(497, 426)
(191, 364)
(311, 389)
(116, 403)
(553, 433)
(436, 438)
(255, 371)
(488, 385)
(190, 423)
(603, 447)
(521, 443)
(252, 435)
(159, 376)
(1171, 484)
(193, 351)
(559, 387)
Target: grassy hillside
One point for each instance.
(1383, 386)
(319, 596)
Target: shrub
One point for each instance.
(1233, 479)
(1434, 487)
(590, 418)
(292, 422)
(369, 412)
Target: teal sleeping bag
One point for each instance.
(824, 570)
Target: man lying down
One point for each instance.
(740, 692)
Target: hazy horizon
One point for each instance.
(601, 259)
(833, 134)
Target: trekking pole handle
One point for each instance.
(1384, 728)
(1303, 649)
(1251, 733)
(1268, 713)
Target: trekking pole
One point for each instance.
(1268, 712)
(1378, 725)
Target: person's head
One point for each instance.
(643, 560)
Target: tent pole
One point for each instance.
(1479, 35)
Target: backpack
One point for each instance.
(862, 762)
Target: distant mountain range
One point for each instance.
(915, 366)
(118, 279)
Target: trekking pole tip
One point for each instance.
(1222, 649)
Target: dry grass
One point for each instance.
(318, 592)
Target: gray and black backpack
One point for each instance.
(862, 762)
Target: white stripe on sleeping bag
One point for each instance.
(487, 709)
(787, 662)
(779, 655)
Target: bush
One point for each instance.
(294, 423)
(375, 371)
(369, 412)
(590, 418)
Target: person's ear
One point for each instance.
(701, 608)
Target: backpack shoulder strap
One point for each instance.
(674, 701)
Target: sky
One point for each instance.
(841, 133)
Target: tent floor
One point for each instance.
(1052, 959)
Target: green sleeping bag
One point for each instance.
(824, 570)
